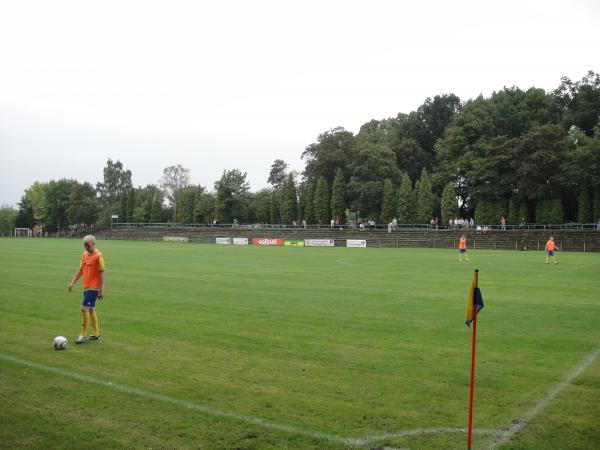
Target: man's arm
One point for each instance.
(76, 277)
(101, 290)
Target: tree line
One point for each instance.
(527, 155)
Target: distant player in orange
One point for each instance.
(551, 247)
(462, 248)
(92, 270)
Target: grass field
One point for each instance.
(208, 346)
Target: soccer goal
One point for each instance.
(22, 232)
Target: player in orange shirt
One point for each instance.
(462, 248)
(551, 247)
(92, 270)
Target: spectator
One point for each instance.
(503, 223)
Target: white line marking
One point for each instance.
(506, 435)
(348, 441)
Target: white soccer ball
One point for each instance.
(60, 343)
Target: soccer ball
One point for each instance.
(60, 343)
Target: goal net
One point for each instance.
(22, 232)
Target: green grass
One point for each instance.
(349, 343)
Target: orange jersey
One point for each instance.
(463, 243)
(91, 266)
(551, 246)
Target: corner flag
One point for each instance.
(474, 300)
(474, 305)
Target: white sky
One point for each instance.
(237, 84)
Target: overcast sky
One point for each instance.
(237, 84)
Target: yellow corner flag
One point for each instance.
(474, 299)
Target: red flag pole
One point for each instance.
(470, 429)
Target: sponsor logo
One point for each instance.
(293, 243)
(319, 242)
(359, 243)
(267, 241)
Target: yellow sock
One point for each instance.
(84, 325)
(94, 320)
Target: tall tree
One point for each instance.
(338, 203)
(8, 217)
(406, 201)
(331, 151)
(321, 201)
(424, 198)
(309, 207)
(116, 181)
(232, 198)
(83, 204)
(289, 201)
(36, 193)
(260, 206)
(388, 202)
(278, 174)
(58, 194)
(449, 204)
(174, 178)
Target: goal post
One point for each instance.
(22, 232)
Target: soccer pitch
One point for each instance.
(210, 346)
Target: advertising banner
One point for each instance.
(223, 240)
(319, 243)
(358, 243)
(267, 241)
(293, 243)
(240, 241)
(175, 239)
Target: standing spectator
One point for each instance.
(503, 223)
(304, 223)
(332, 223)
(550, 249)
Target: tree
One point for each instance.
(321, 201)
(260, 206)
(174, 178)
(331, 151)
(449, 204)
(186, 201)
(309, 207)
(116, 181)
(275, 209)
(388, 202)
(549, 210)
(277, 174)
(36, 193)
(424, 198)
(58, 194)
(371, 164)
(406, 201)
(8, 217)
(232, 196)
(488, 212)
(579, 102)
(289, 201)
(338, 204)
(585, 205)
(83, 204)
